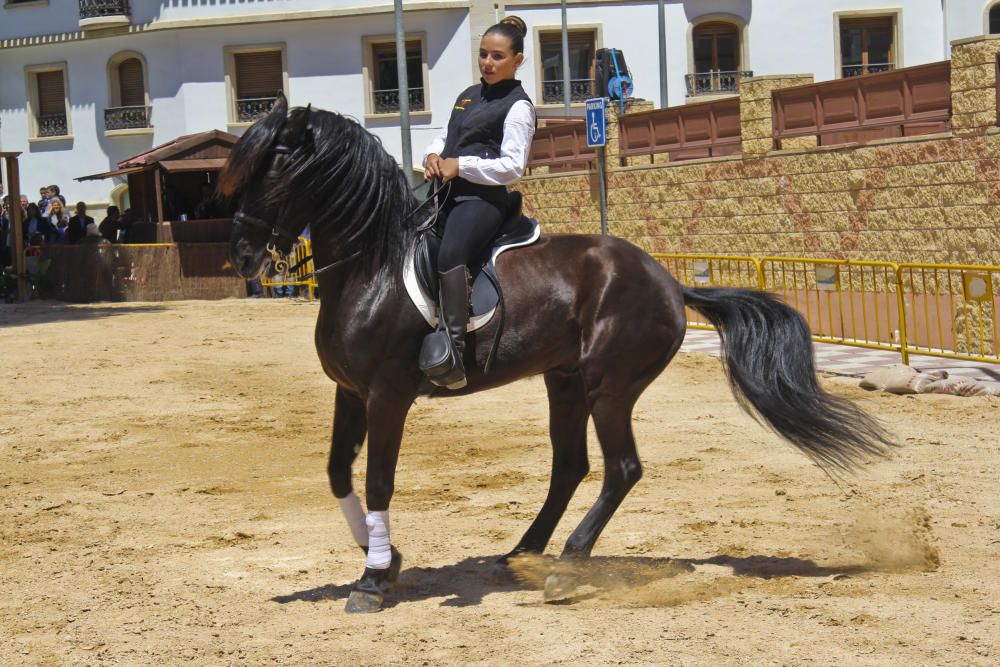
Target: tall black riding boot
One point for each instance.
(448, 369)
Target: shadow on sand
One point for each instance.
(467, 582)
(47, 312)
(461, 584)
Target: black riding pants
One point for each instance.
(469, 227)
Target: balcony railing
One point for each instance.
(250, 109)
(52, 125)
(715, 82)
(580, 90)
(126, 118)
(104, 13)
(871, 68)
(387, 100)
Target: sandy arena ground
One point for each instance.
(163, 500)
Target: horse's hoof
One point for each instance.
(369, 592)
(507, 557)
(363, 602)
(559, 587)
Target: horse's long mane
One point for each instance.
(340, 180)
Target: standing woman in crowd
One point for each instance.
(483, 149)
(59, 220)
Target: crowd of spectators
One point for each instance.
(49, 222)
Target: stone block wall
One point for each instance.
(973, 84)
(926, 199)
(756, 118)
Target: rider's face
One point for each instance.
(497, 61)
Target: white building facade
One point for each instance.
(87, 83)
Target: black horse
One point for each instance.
(596, 316)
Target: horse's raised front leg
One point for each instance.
(386, 415)
(568, 416)
(349, 429)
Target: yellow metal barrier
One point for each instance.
(951, 310)
(844, 302)
(301, 276)
(941, 310)
(711, 271)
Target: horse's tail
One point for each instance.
(768, 355)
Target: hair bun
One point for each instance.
(517, 22)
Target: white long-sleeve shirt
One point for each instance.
(518, 130)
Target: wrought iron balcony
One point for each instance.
(104, 13)
(861, 70)
(387, 101)
(715, 82)
(52, 125)
(126, 118)
(580, 90)
(252, 108)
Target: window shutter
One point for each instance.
(258, 74)
(51, 93)
(133, 92)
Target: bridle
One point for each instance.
(279, 258)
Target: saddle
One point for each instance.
(420, 271)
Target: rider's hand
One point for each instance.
(432, 167)
(448, 169)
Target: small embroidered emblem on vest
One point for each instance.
(462, 102)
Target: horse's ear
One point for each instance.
(298, 130)
(280, 106)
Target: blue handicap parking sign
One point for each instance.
(596, 123)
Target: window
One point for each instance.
(47, 99)
(385, 77)
(258, 81)
(254, 77)
(995, 20)
(866, 46)
(133, 91)
(716, 58)
(128, 107)
(716, 48)
(381, 75)
(582, 50)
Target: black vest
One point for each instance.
(476, 128)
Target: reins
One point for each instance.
(427, 224)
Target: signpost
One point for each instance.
(597, 137)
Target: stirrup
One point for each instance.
(440, 362)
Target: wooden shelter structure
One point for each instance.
(165, 184)
(176, 244)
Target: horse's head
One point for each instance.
(256, 176)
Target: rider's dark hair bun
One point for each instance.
(517, 22)
(514, 29)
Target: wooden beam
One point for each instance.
(14, 179)
(158, 188)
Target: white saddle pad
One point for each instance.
(427, 304)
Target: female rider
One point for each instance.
(483, 149)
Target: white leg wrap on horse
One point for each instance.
(350, 506)
(379, 554)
